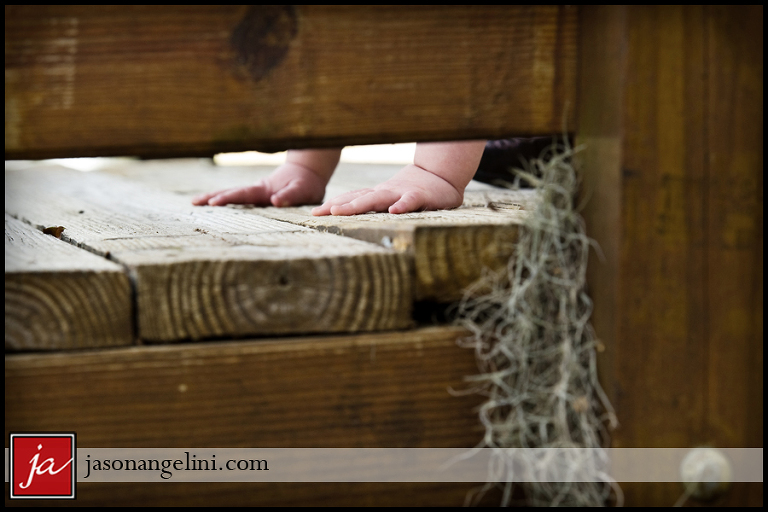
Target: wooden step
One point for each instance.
(58, 296)
(399, 387)
(450, 249)
(217, 272)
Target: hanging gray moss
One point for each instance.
(534, 345)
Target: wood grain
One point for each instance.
(371, 390)
(213, 272)
(59, 297)
(734, 137)
(451, 248)
(671, 110)
(367, 390)
(273, 494)
(195, 80)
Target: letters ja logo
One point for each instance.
(42, 465)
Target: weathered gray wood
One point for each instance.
(60, 297)
(450, 248)
(215, 272)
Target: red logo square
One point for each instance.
(42, 466)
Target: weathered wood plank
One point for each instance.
(194, 80)
(671, 113)
(60, 297)
(451, 249)
(213, 272)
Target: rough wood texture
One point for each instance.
(368, 390)
(373, 390)
(212, 272)
(172, 80)
(451, 249)
(272, 494)
(61, 297)
(671, 111)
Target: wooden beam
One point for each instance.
(671, 113)
(365, 390)
(171, 80)
(60, 297)
(178, 494)
(214, 272)
(373, 390)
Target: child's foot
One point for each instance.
(288, 185)
(411, 189)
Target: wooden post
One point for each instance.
(670, 108)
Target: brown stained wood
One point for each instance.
(599, 130)
(662, 258)
(214, 272)
(196, 80)
(273, 494)
(671, 111)
(59, 297)
(734, 137)
(368, 390)
(451, 249)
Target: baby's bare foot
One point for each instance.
(411, 189)
(288, 185)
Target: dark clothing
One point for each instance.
(501, 156)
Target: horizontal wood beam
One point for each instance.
(383, 390)
(164, 81)
(343, 391)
